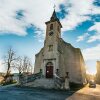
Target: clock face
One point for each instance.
(51, 33)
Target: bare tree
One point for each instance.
(24, 65)
(9, 60)
(19, 65)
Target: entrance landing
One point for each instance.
(42, 82)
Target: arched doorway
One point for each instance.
(49, 70)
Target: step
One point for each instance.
(42, 82)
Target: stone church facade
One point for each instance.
(58, 56)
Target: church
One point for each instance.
(59, 57)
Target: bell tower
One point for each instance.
(50, 51)
(53, 28)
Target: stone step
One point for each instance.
(42, 82)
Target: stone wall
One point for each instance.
(71, 60)
(98, 72)
(38, 61)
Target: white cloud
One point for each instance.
(95, 27)
(39, 35)
(92, 53)
(96, 36)
(77, 13)
(91, 38)
(82, 37)
(0, 62)
(37, 12)
(95, 10)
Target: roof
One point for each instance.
(54, 18)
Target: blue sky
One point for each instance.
(22, 26)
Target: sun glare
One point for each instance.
(91, 70)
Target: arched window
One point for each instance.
(51, 27)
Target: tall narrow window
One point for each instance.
(51, 27)
(50, 47)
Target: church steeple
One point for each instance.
(53, 28)
(54, 18)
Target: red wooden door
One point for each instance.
(49, 71)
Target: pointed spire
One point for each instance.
(54, 16)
